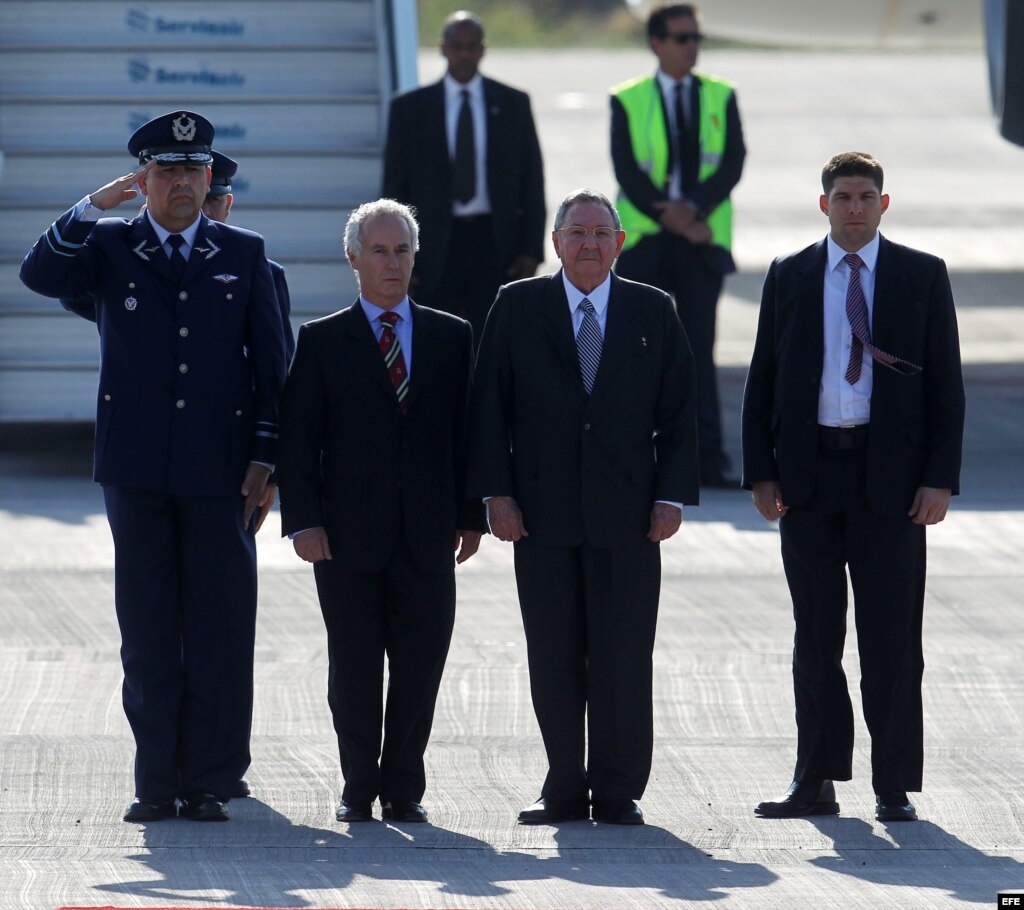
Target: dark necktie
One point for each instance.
(588, 345)
(178, 261)
(393, 359)
(857, 313)
(464, 166)
(685, 140)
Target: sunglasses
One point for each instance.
(683, 37)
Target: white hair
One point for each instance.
(370, 210)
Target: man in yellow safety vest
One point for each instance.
(678, 151)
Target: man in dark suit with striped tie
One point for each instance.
(853, 419)
(584, 444)
(372, 493)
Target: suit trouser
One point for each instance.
(408, 615)
(886, 560)
(185, 591)
(472, 274)
(590, 616)
(674, 265)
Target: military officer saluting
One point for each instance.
(192, 364)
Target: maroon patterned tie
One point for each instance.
(857, 313)
(393, 359)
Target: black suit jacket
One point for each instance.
(350, 460)
(916, 421)
(418, 172)
(584, 469)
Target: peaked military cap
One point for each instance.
(181, 137)
(224, 169)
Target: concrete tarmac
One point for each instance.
(725, 736)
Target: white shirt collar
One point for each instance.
(453, 89)
(668, 83)
(868, 253)
(598, 297)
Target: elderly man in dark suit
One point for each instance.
(372, 493)
(464, 153)
(853, 420)
(192, 363)
(584, 445)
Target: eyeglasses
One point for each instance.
(683, 37)
(579, 233)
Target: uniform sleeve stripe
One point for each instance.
(56, 239)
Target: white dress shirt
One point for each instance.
(839, 403)
(480, 204)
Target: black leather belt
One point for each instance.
(843, 439)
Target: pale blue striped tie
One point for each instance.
(588, 345)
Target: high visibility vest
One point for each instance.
(648, 133)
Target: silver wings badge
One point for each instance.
(211, 250)
(225, 278)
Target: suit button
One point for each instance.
(131, 284)
(586, 426)
(183, 295)
(180, 403)
(106, 398)
(183, 332)
(230, 296)
(238, 413)
(182, 367)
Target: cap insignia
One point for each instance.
(184, 128)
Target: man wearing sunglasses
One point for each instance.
(677, 149)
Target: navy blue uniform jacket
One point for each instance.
(190, 376)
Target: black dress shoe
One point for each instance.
(354, 812)
(618, 812)
(141, 810)
(204, 807)
(403, 810)
(809, 798)
(241, 789)
(552, 811)
(894, 807)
